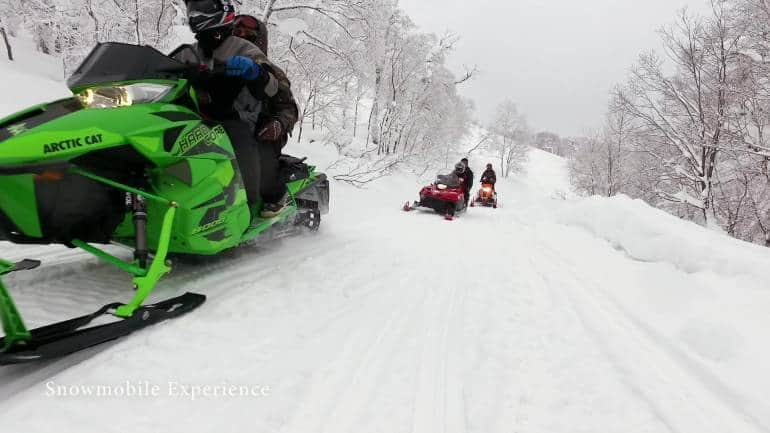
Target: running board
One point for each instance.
(70, 336)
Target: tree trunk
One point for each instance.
(268, 11)
(136, 23)
(355, 116)
(369, 127)
(95, 19)
(502, 159)
(375, 131)
(609, 169)
(160, 21)
(7, 43)
(299, 134)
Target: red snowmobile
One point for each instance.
(444, 196)
(487, 196)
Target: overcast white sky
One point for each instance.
(557, 59)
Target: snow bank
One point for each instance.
(651, 235)
(29, 60)
(32, 78)
(642, 232)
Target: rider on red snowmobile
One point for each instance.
(460, 177)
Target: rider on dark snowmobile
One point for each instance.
(237, 99)
(489, 176)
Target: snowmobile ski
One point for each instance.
(25, 265)
(73, 335)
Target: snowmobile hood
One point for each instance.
(63, 130)
(23, 121)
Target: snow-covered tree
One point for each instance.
(548, 141)
(686, 115)
(510, 137)
(689, 128)
(70, 28)
(601, 165)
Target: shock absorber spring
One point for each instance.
(139, 211)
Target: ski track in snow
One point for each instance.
(384, 322)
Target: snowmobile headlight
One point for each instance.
(487, 189)
(440, 186)
(123, 96)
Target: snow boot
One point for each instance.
(271, 210)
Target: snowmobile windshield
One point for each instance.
(448, 180)
(114, 62)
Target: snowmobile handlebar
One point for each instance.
(197, 72)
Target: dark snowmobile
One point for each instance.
(444, 196)
(129, 160)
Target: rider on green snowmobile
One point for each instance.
(239, 100)
(255, 31)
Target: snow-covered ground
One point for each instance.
(550, 314)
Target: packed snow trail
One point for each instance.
(503, 320)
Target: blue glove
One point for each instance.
(243, 67)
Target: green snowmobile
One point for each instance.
(129, 160)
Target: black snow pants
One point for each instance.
(272, 187)
(258, 162)
(246, 153)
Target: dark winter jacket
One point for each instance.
(261, 39)
(489, 176)
(469, 178)
(257, 102)
(283, 107)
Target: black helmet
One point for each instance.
(459, 168)
(209, 14)
(464, 161)
(489, 166)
